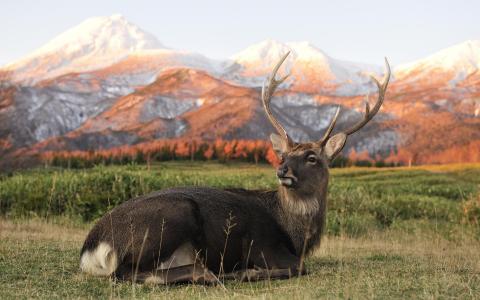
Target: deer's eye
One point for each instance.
(312, 159)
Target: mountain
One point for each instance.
(95, 43)
(101, 59)
(449, 66)
(311, 69)
(186, 103)
(106, 83)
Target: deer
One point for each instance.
(205, 235)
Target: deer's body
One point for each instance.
(224, 231)
(201, 234)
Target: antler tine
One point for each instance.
(267, 93)
(369, 114)
(330, 128)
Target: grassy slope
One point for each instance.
(381, 242)
(38, 259)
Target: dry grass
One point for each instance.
(39, 259)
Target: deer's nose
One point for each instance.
(282, 171)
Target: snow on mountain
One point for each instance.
(310, 68)
(93, 44)
(142, 67)
(460, 60)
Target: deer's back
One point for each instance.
(225, 223)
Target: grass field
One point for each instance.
(391, 233)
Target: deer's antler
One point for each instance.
(369, 114)
(382, 88)
(271, 84)
(268, 89)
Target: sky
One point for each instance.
(361, 31)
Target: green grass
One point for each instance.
(391, 233)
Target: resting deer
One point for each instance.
(199, 234)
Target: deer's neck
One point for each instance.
(302, 217)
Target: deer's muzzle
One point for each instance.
(285, 176)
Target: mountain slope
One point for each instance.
(185, 103)
(311, 69)
(95, 43)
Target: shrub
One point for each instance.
(471, 211)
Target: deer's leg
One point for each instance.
(271, 263)
(183, 265)
(260, 274)
(182, 274)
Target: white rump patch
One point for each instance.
(102, 261)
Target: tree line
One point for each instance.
(253, 151)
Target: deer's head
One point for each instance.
(303, 166)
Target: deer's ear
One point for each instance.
(335, 144)
(279, 145)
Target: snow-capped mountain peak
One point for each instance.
(95, 43)
(311, 68)
(460, 58)
(261, 52)
(268, 52)
(102, 35)
(307, 51)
